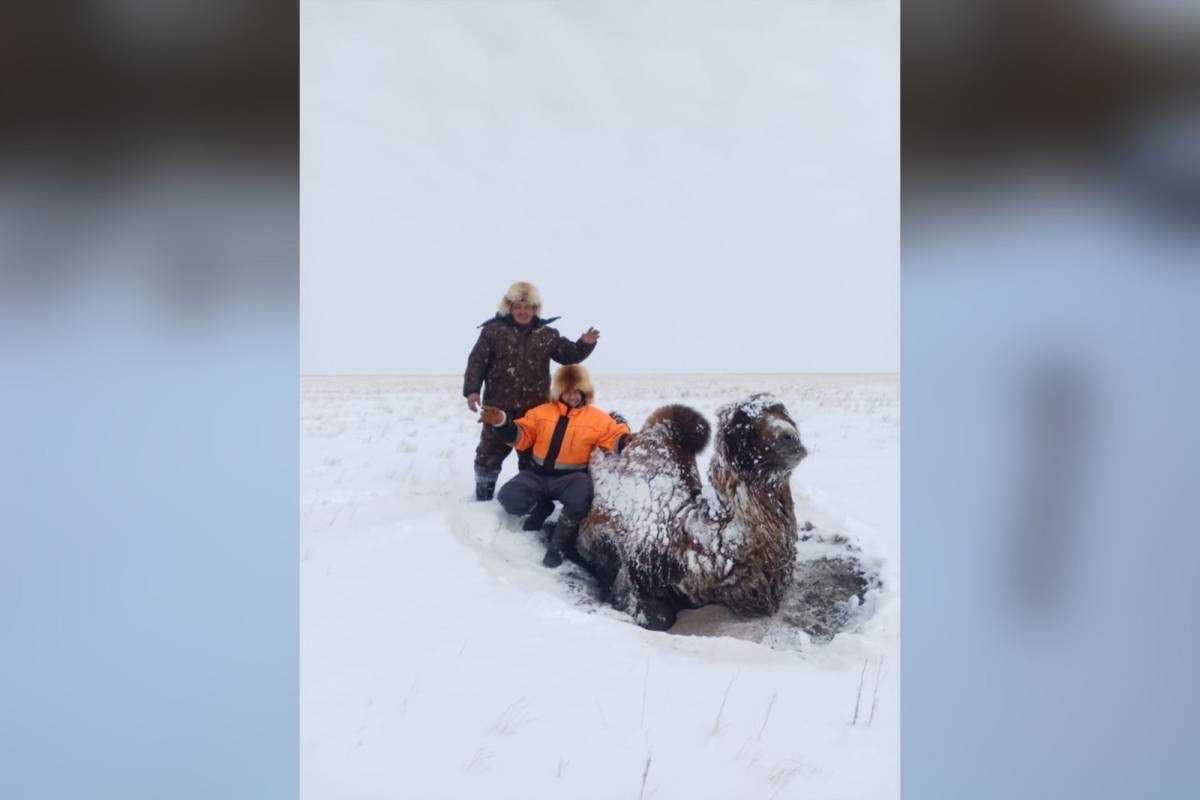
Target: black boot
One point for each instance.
(537, 517)
(485, 484)
(562, 540)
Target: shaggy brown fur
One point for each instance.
(689, 429)
(661, 546)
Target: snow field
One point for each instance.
(439, 659)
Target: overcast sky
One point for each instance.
(713, 186)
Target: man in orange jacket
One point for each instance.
(560, 436)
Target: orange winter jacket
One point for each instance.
(585, 427)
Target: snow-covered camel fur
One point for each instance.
(661, 545)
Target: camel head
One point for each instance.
(758, 440)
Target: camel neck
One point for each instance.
(768, 501)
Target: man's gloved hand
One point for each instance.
(473, 401)
(490, 415)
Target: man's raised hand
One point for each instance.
(590, 336)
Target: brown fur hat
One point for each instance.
(571, 377)
(521, 292)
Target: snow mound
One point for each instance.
(835, 589)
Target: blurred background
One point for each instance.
(148, 290)
(1051, 283)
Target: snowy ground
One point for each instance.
(439, 659)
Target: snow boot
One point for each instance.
(537, 517)
(562, 540)
(485, 484)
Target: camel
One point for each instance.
(660, 542)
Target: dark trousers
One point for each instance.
(492, 450)
(522, 493)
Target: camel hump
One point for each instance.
(689, 429)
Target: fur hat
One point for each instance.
(521, 292)
(571, 377)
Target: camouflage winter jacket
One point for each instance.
(513, 363)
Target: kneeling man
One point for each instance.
(560, 436)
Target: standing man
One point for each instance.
(510, 362)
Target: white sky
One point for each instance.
(714, 186)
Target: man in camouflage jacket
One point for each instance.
(511, 363)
